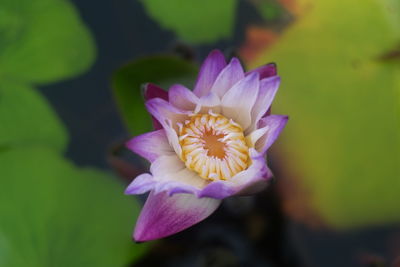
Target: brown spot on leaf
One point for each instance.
(257, 40)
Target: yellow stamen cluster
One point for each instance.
(213, 146)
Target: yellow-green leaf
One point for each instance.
(194, 21)
(342, 145)
(55, 214)
(42, 41)
(26, 119)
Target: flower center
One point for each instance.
(213, 146)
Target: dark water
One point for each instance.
(245, 231)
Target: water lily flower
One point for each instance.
(209, 144)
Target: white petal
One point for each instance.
(172, 169)
(230, 75)
(268, 89)
(209, 102)
(151, 145)
(182, 98)
(238, 102)
(253, 137)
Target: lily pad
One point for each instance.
(341, 149)
(55, 214)
(127, 82)
(42, 41)
(26, 119)
(194, 21)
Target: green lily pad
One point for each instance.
(26, 119)
(42, 41)
(341, 148)
(128, 81)
(55, 214)
(194, 21)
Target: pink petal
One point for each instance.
(154, 91)
(230, 75)
(151, 145)
(238, 102)
(164, 215)
(171, 171)
(268, 89)
(209, 71)
(265, 71)
(168, 174)
(165, 113)
(256, 177)
(182, 98)
(168, 116)
(275, 124)
(140, 185)
(209, 102)
(249, 181)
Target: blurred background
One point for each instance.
(70, 96)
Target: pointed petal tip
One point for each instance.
(276, 123)
(154, 91)
(272, 65)
(254, 75)
(211, 67)
(131, 144)
(126, 191)
(216, 52)
(285, 119)
(235, 60)
(215, 57)
(138, 239)
(266, 71)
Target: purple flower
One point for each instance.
(210, 144)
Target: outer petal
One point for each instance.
(230, 75)
(268, 89)
(265, 71)
(255, 178)
(165, 113)
(218, 190)
(168, 116)
(154, 91)
(151, 145)
(171, 177)
(209, 71)
(168, 174)
(275, 124)
(164, 215)
(141, 184)
(238, 102)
